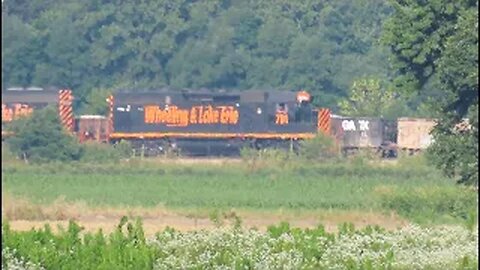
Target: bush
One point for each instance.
(124, 149)
(260, 159)
(321, 147)
(42, 138)
(100, 152)
(427, 205)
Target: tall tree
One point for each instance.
(437, 42)
(234, 44)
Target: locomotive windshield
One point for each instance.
(303, 112)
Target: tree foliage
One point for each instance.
(316, 45)
(436, 43)
(367, 98)
(373, 97)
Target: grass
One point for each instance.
(212, 186)
(280, 184)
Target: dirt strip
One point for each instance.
(153, 223)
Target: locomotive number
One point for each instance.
(281, 118)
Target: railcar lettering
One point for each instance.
(204, 115)
(18, 110)
(364, 125)
(348, 125)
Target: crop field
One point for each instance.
(236, 202)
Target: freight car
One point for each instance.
(355, 133)
(18, 102)
(205, 122)
(414, 134)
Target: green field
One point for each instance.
(407, 187)
(410, 188)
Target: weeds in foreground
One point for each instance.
(281, 247)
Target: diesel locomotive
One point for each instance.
(205, 122)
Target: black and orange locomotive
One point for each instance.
(210, 122)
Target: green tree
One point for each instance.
(41, 137)
(368, 97)
(20, 50)
(436, 43)
(236, 44)
(455, 150)
(96, 102)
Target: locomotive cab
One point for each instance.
(304, 110)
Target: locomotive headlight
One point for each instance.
(237, 105)
(259, 110)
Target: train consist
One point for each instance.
(213, 123)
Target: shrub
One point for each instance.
(100, 152)
(40, 137)
(321, 147)
(428, 204)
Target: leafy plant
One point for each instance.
(322, 147)
(42, 138)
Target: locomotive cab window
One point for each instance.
(282, 108)
(303, 112)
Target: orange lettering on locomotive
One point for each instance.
(22, 110)
(7, 114)
(150, 112)
(193, 115)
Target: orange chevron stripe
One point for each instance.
(63, 95)
(110, 115)
(323, 121)
(65, 109)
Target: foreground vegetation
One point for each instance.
(409, 188)
(281, 247)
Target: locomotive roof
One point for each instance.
(244, 96)
(30, 94)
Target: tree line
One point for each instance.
(320, 46)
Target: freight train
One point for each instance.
(205, 122)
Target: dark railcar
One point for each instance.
(353, 133)
(211, 121)
(17, 102)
